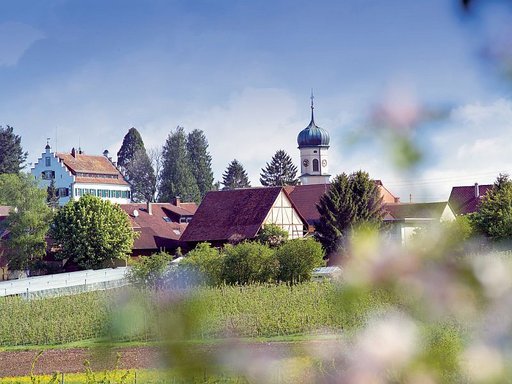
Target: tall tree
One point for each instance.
(141, 176)
(52, 198)
(132, 143)
(350, 201)
(176, 177)
(92, 232)
(281, 171)
(235, 176)
(134, 163)
(12, 156)
(494, 216)
(28, 221)
(200, 160)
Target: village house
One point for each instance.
(405, 219)
(76, 174)
(239, 214)
(4, 213)
(159, 226)
(465, 199)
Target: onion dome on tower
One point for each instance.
(313, 135)
(313, 145)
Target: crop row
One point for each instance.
(127, 314)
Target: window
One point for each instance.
(48, 161)
(166, 219)
(63, 192)
(315, 165)
(48, 175)
(125, 194)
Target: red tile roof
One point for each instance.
(463, 199)
(223, 215)
(305, 198)
(155, 232)
(98, 165)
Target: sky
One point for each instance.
(83, 72)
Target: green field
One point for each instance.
(130, 315)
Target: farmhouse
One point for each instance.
(76, 174)
(406, 218)
(236, 215)
(159, 226)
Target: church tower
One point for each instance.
(313, 144)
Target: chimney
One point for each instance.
(149, 208)
(477, 191)
(177, 201)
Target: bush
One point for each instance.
(149, 270)
(249, 262)
(297, 259)
(272, 235)
(206, 261)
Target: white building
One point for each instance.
(76, 174)
(313, 144)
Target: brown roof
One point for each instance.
(162, 229)
(225, 214)
(463, 200)
(99, 165)
(401, 211)
(305, 198)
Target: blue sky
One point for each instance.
(84, 72)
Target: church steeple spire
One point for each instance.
(312, 106)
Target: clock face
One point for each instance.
(305, 162)
(324, 163)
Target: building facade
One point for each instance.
(76, 174)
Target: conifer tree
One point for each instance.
(176, 178)
(200, 160)
(350, 201)
(134, 163)
(12, 156)
(281, 171)
(235, 176)
(52, 199)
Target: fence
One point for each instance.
(66, 283)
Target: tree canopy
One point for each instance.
(28, 220)
(200, 161)
(135, 164)
(235, 176)
(92, 232)
(12, 156)
(281, 171)
(494, 216)
(176, 177)
(351, 200)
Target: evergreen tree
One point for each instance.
(281, 171)
(132, 143)
(235, 176)
(52, 198)
(494, 216)
(200, 160)
(134, 163)
(176, 178)
(11, 154)
(350, 201)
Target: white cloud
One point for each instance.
(15, 40)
